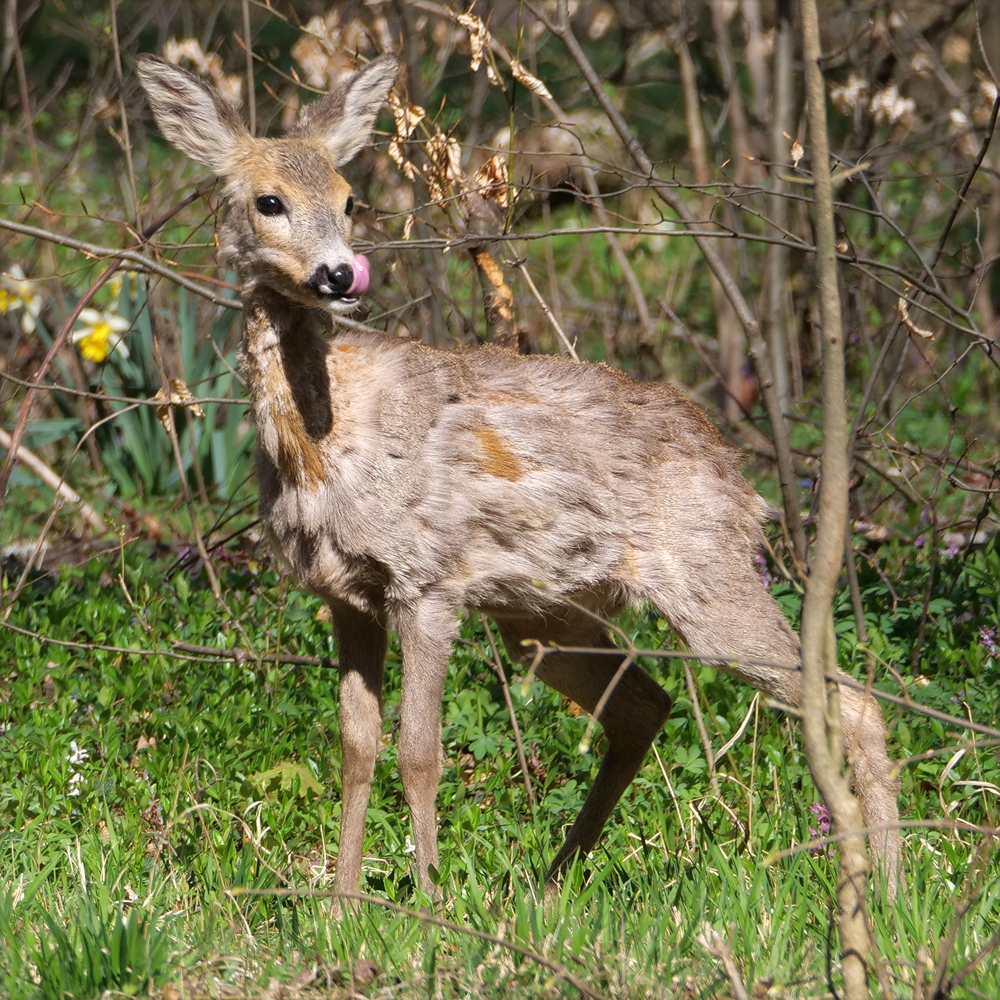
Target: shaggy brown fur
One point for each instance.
(404, 483)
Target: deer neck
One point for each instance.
(284, 358)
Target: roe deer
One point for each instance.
(404, 483)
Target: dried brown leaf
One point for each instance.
(479, 37)
(527, 80)
(407, 117)
(904, 315)
(493, 181)
(179, 395)
(444, 166)
(365, 972)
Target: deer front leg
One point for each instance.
(361, 646)
(426, 633)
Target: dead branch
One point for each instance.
(824, 752)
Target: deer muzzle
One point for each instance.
(344, 283)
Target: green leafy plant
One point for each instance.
(135, 447)
(95, 947)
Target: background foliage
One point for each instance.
(149, 783)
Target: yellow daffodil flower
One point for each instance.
(102, 332)
(115, 283)
(18, 294)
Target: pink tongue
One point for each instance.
(362, 276)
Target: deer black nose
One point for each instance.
(335, 282)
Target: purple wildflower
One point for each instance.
(536, 767)
(760, 560)
(824, 823)
(988, 639)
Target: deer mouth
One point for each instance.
(343, 286)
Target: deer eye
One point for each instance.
(268, 204)
(349, 207)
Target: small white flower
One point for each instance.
(889, 107)
(75, 780)
(102, 332)
(78, 755)
(850, 95)
(921, 63)
(207, 64)
(409, 847)
(17, 293)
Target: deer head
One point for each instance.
(287, 223)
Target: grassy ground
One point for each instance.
(169, 821)
(156, 810)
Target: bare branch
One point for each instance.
(758, 345)
(823, 752)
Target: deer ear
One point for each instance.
(191, 115)
(345, 118)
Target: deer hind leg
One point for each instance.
(732, 614)
(632, 717)
(361, 645)
(876, 780)
(426, 633)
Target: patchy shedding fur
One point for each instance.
(404, 483)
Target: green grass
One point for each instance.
(169, 826)
(142, 797)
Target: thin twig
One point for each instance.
(560, 333)
(723, 662)
(707, 361)
(559, 971)
(119, 256)
(970, 966)
(55, 482)
(170, 426)
(942, 825)
(57, 343)
(240, 656)
(125, 140)
(40, 541)
(498, 669)
(758, 345)
(36, 552)
(712, 941)
(970, 890)
(248, 48)
(133, 400)
(60, 339)
(699, 719)
(967, 183)
(932, 569)
(845, 681)
(852, 582)
(621, 258)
